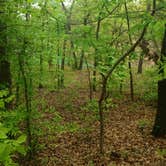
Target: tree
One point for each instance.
(5, 73)
(159, 128)
(108, 74)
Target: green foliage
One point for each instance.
(9, 147)
(143, 123)
(92, 106)
(91, 163)
(150, 96)
(161, 153)
(11, 138)
(108, 104)
(5, 98)
(36, 32)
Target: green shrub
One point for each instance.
(142, 124)
(11, 138)
(10, 146)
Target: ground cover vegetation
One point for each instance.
(82, 82)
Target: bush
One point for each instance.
(11, 138)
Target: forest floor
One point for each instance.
(69, 129)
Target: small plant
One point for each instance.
(11, 138)
(161, 153)
(142, 124)
(90, 163)
(92, 107)
(10, 146)
(150, 96)
(5, 98)
(109, 104)
(125, 155)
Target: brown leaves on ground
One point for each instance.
(128, 127)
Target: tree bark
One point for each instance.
(129, 62)
(68, 13)
(159, 129)
(5, 73)
(145, 51)
(163, 54)
(89, 80)
(81, 60)
(96, 52)
(140, 63)
(42, 46)
(85, 22)
(63, 64)
(26, 96)
(74, 55)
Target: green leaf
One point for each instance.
(2, 104)
(21, 139)
(4, 152)
(9, 99)
(3, 93)
(3, 131)
(21, 149)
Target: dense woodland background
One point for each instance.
(82, 82)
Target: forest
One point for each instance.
(82, 82)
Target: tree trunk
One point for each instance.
(42, 49)
(27, 101)
(18, 88)
(163, 54)
(94, 73)
(5, 74)
(129, 62)
(58, 67)
(159, 128)
(85, 22)
(63, 63)
(74, 55)
(41, 69)
(89, 80)
(140, 63)
(131, 81)
(27, 87)
(81, 60)
(96, 52)
(101, 115)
